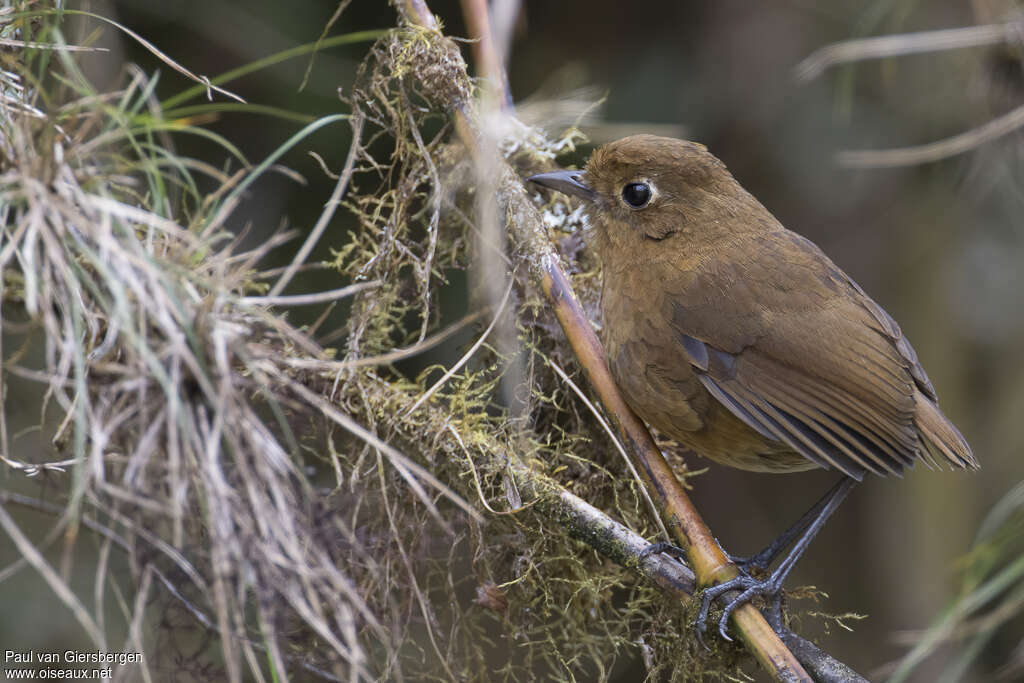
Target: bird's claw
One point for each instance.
(663, 547)
(748, 586)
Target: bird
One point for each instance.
(743, 342)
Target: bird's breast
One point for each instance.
(645, 359)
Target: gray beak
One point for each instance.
(567, 182)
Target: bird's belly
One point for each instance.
(670, 397)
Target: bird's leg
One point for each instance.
(772, 586)
(767, 556)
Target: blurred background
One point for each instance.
(940, 245)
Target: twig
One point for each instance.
(709, 560)
(623, 546)
(504, 14)
(409, 469)
(465, 358)
(486, 55)
(905, 44)
(819, 663)
(934, 151)
(916, 43)
(60, 588)
(585, 522)
(384, 358)
(615, 441)
(307, 299)
(426, 267)
(325, 217)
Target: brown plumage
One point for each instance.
(744, 342)
(739, 338)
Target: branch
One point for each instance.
(934, 151)
(905, 44)
(821, 664)
(709, 561)
(682, 519)
(583, 521)
(623, 546)
(478, 21)
(915, 43)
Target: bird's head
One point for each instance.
(646, 188)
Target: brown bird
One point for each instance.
(742, 341)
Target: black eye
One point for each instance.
(636, 194)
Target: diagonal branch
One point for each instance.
(709, 561)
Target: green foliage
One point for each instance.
(991, 596)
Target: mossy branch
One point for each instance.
(710, 562)
(621, 545)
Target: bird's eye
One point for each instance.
(637, 195)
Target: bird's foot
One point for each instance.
(748, 588)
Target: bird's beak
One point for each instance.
(568, 182)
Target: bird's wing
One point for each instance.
(790, 345)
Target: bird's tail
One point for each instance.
(943, 442)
